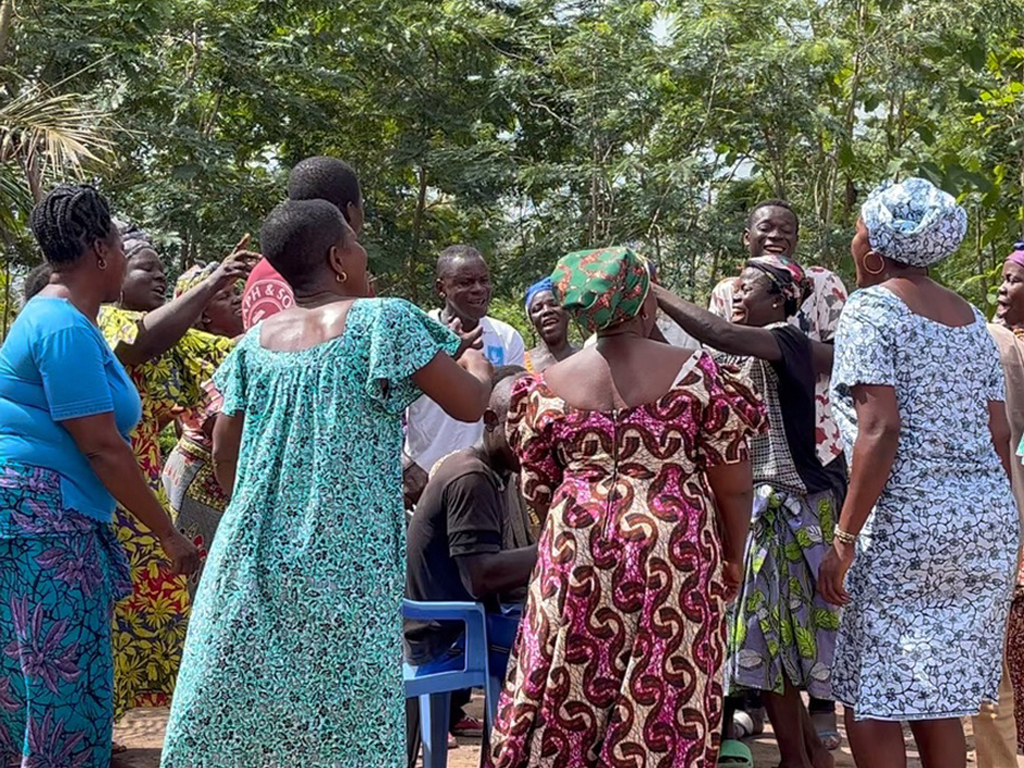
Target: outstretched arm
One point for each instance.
(712, 330)
(461, 388)
(162, 328)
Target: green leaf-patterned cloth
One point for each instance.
(779, 627)
(602, 287)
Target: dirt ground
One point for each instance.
(142, 731)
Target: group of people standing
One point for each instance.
(695, 514)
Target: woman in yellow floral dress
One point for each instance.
(197, 501)
(168, 361)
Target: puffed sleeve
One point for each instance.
(865, 343)
(230, 379)
(529, 435)
(734, 413)
(995, 378)
(402, 339)
(196, 356)
(118, 325)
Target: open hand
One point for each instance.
(468, 339)
(832, 574)
(237, 265)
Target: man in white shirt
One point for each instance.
(464, 285)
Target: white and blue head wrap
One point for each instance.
(914, 222)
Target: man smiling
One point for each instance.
(464, 285)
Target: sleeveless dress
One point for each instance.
(294, 651)
(622, 641)
(930, 588)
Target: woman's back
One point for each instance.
(299, 604)
(944, 377)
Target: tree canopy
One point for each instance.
(526, 127)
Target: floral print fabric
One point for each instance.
(621, 644)
(930, 587)
(60, 573)
(914, 222)
(294, 650)
(149, 628)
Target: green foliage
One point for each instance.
(527, 127)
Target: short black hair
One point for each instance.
(296, 236)
(454, 253)
(68, 221)
(772, 203)
(325, 178)
(502, 372)
(500, 401)
(36, 280)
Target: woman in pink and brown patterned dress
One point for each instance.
(627, 450)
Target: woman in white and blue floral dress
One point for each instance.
(917, 391)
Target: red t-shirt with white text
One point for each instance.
(266, 293)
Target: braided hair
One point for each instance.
(68, 221)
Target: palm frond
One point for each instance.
(57, 131)
(15, 196)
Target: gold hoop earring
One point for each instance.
(101, 263)
(881, 264)
(341, 277)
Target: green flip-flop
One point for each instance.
(736, 754)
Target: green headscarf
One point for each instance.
(602, 287)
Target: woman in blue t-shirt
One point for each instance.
(66, 410)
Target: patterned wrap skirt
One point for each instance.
(196, 499)
(60, 574)
(780, 629)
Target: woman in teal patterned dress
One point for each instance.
(293, 656)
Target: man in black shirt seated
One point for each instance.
(469, 541)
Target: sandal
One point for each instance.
(746, 724)
(825, 725)
(735, 753)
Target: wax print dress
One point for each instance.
(149, 628)
(922, 636)
(294, 651)
(780, 628)
(197, 502)
(622, 640)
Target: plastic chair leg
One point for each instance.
(434, 727)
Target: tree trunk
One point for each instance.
(6, 23)
(417, 230)
(34, 177)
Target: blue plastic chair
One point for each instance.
(432, 683)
